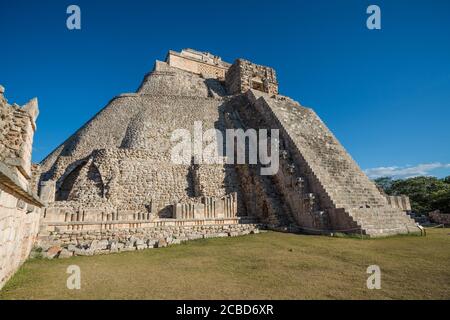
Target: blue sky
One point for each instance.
(385, 93)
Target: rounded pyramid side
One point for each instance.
(106, 129)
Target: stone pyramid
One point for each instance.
(118, 167)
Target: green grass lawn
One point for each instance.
(263, 266)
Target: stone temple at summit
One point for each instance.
(116, 171)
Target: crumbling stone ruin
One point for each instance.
(112, 186)
(400, 202)
(19, 205)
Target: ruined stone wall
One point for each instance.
(19, 206)
(134, 180)
(141, 121)
(17, 126)
(125, 171)
(128, 165)
(19, 225)
(209, 208)
(401, 202)
(233, 79)
(244, 75)
(63, 244)
(205, 64)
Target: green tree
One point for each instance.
(425, 193)
(385, 183)
(441, 200)
(447, 179)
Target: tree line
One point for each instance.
(425, 193)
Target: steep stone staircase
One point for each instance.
(331, 167)
(278, 215)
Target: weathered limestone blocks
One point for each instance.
(137, 167)
(47, 192)
(244, 75)
(17, 126)
(19, 206)
(349, 200)
(86, 243)
(201, 63)
(18, 229)
(82, 214)
(66, 218)
(136, 179)
(401, 202)
(209, 208)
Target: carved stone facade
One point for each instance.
(209, 208)
(202, 63)
(244, 75)
(17, 131)
(19, 206)
(401, 202)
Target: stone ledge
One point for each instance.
(171, 222)
(12, 184)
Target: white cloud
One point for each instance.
(405, 171)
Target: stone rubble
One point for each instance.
(95, 242)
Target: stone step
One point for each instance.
(343, 183)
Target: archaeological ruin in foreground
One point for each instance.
(112, 186)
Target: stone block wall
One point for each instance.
(17, 126)
(134, 179)
(209, 208)
(19, 206)
(401, 202)
(19, 225)
(244, 75)
(135, 169)
(64, 244)
(201, 63)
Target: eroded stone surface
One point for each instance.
(19, 206)
(117, 170)
(82, 243)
